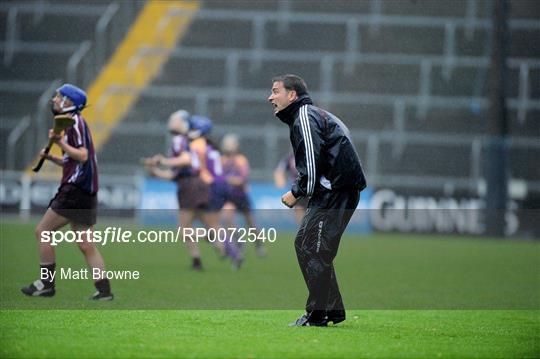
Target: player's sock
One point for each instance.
(103, 286)
(240, 246)
(46, 274)
(231, 249)
(234, 252)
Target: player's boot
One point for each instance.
(103, 292)
(39, 289)
(102, 296)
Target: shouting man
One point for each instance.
(331, 176)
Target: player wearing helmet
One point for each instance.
(75, 203)
(236, 173)
(207, 163)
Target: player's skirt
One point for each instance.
(192, 193)
(218, 195)
(75, 204)
(239, 197)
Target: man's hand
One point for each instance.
(289, 199)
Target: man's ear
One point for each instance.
(292, 95)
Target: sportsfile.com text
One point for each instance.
(181, 234)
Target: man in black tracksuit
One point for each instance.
(330, 173)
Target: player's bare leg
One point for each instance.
(88, 248)
(51, 221)
(93, 259)
(229, 211)
(185, 218)
(250, 222)
(210, 219)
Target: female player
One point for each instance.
(75, 203)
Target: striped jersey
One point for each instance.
(83, 175)
(206, 160)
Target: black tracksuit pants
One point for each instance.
(316, 245)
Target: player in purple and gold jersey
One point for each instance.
(75, 203)
(236, 172)
(207, 161)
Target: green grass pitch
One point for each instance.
(407, 296)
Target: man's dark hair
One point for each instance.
(292, 82)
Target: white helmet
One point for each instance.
(178, 122)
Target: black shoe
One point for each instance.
(197, 267)
(335, 316)
(196, 264)
(38, 289)
(102, 296)
(304, 321)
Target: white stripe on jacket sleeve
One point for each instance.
(310, 155)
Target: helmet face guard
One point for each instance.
(75, 95)
(199, 126)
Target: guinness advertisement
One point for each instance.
(421, 212)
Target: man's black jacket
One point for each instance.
(324, 153)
